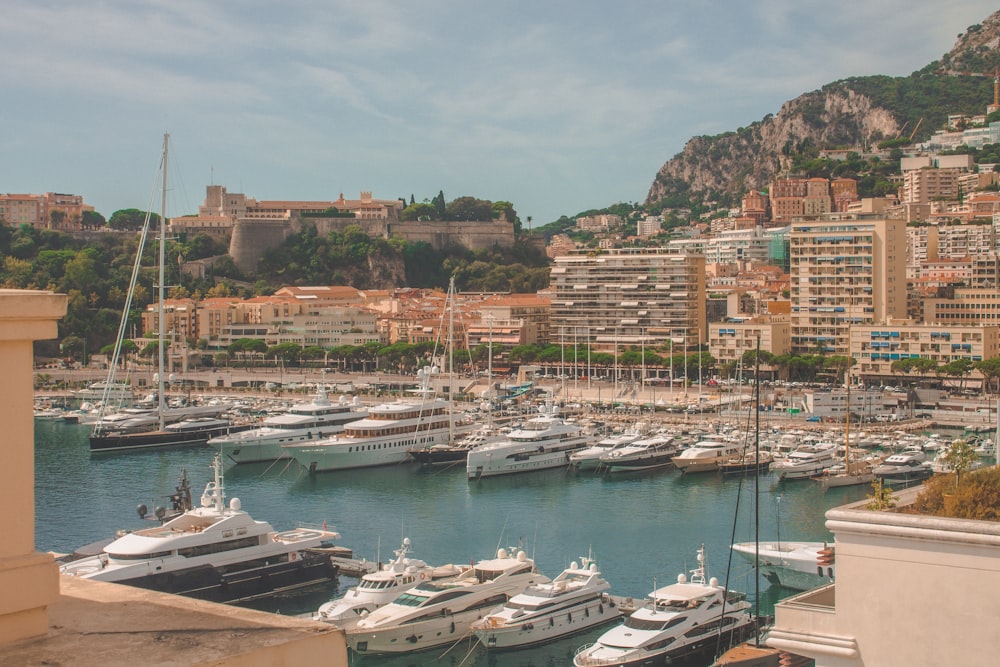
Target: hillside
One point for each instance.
(851, 113)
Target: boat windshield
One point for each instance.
(653, 624)
(411, 599)
(155, 554)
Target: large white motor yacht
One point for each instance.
(542, 442)
(574, 601)
(683, 623)
(655, 451)
(589, 458)
(214, 552)
(706, 455)
(382, 587)
(435, 613)
(303, 422)
(796, 565)
(807, 460)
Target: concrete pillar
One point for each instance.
(29, 580)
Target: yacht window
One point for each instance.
(155, 554)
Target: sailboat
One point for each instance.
(155, 425)
(851, 472)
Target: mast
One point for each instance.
(160, 398)
(756, 494)
(451, 360)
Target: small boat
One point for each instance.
(904, 468)
(214, 552)
(681, 624)
(576, 600)
(443, 453)
(656, 451)
(806, 461)
(747, 464)
(437, 613)
(796, 565)
(706, 455)
(382, 587)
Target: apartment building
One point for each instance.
(875, 347)
(629, 296)
(921, 186)
(52, 210)
(533, 312)
(598, 223)
(964, 306)
(651, 225)
(845, 270)
(729, 341)
(959, 241)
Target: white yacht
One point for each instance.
(683, 623)
(574, 601)
(384, 437)
(797, 565)
(589, 458)
(382, 587)
(436, 613)
(706, 455)
(806, 461)
(656, 451)
(904, 468)
(303, 422)
(213, 552)
(543, 442)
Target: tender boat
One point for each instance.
(437, 613)
(806, 461)
(589, 458)
(574, 601)
(655, 451)
(213, 552)
(904, 468)
(382, 587)
(797, 565)
(681, 624)
(706, 455)
(543, 442)
(303, 422)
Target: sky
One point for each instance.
(556, 106)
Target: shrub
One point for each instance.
(977, 498)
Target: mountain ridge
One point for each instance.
(849, 113)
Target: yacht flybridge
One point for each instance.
(213, 552)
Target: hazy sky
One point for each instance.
(557, 106)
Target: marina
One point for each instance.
(643, 527)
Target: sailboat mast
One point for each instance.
(160, 398)
(451, 361)
(756, 494)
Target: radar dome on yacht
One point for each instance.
(682, 578)
(714, 581)
(522, 557)
(501, 553)
(574, 566)
(235, 504)
(593, 567)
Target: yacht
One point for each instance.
(574, 601)
(806, 461)
(146, 426)
(213, 552)
(443, 453)
(797, 565)
(303, 422)
(540, 443)
(706, 455)
(904, 468)
(436, 613)
(749, 463)
(384, 437)
(589, 458)
(381, 587)
(681, 624)
(110, 392)
(656, 451)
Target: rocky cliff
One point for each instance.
(836, 116)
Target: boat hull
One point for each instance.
(117, 442)
(345, 455)
(490, 466)
(549, 627)
(250, 581)
(697, 653)
(643, 463)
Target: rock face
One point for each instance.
(749, 158)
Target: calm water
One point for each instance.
(642, 528)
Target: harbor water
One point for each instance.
(643, 529)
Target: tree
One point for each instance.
(469, 208)
(421, 211)
(132, 219)
(881, 497)
(960, 457)
(92, 220)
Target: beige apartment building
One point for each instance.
(921, 186)
(52, 210)
(729, 341)
(875, 347)
(629, 296)
(845, 270)
(965, 306)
